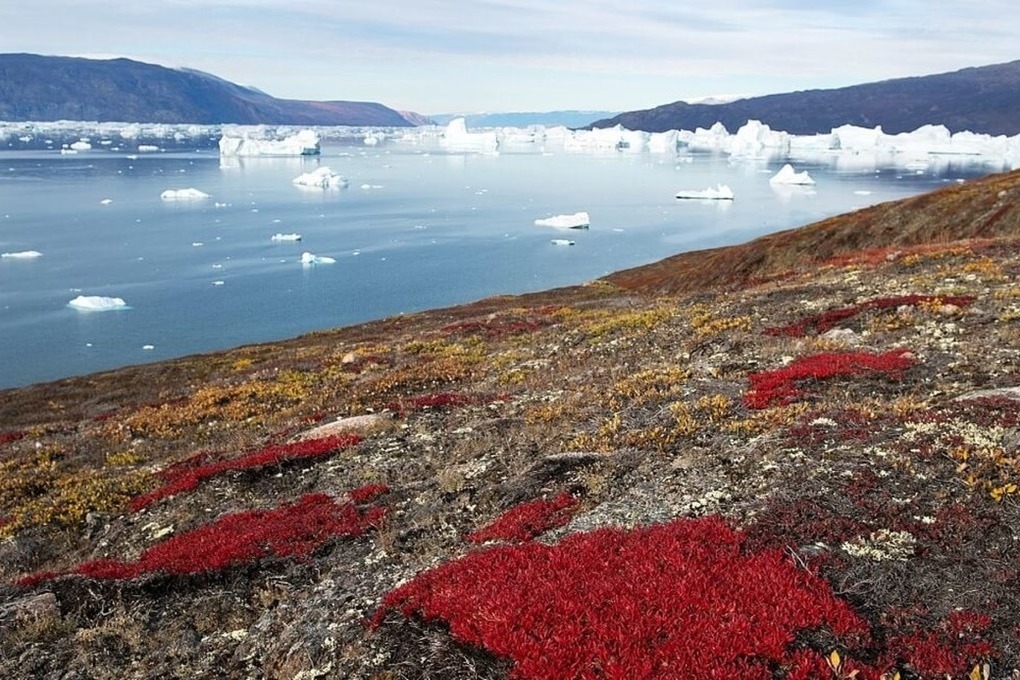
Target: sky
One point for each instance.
(468, 56)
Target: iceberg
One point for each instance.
(308, 259)
(562, 242)
(80, 145)
(21, 255)
(190, 194)
(303, 143)
(457, 138)
(320, 178)
(787, 175)
(97, 303)
(285, 237)
(616, 138)
(721, 192)
(578, 220)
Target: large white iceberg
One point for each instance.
(189, 194)
(787, 175)
(320, 178)
(21, 255)
(310, 259)
(720, 192)
(578, 220)
(97, 303)
(303, 143)
(457, 138)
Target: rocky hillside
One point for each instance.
(41, 88)
(797, 458)
(984, 99)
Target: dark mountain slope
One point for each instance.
(984, 99)
(34, 87)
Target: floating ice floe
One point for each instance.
(97, 303)
(720, 192)
(148, 347)
(285, 237)
(787, 175)
(578, 220)
(106, 201)
(562, 242)
(190, 194)
(21, 255)
(320, 178)
(303, 143)
(310, 259)
(147, 148)
(457, 138)
(80, 145)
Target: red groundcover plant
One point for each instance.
(187, 478)
(527, 520)
(292, 529)
(820, 323)
(676, 600)
(684, 599)
(778, 387)
(11, 436)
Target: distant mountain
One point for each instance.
(571, 119)
(984, 99)
(42, 88)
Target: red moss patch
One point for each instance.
(674, 600)
(191, 472)
(294, 529)
(368, 493)
(820, 323)
(11, 436)
(778, 387)
(527, 520)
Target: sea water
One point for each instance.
(416, 228)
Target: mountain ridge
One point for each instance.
(48, 88)
(981, 99)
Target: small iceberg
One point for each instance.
(320, 178)
(578, 220)
(285, 237)
(562, 242)
(787, 175)
(22, 255)
(97, 303)
(721, 192)
(190, 194)
(309, 259)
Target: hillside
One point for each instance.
(792, 459)
(983, 99)
(43, 88)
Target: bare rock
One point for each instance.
(369, 423)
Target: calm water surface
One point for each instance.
(417, 228)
